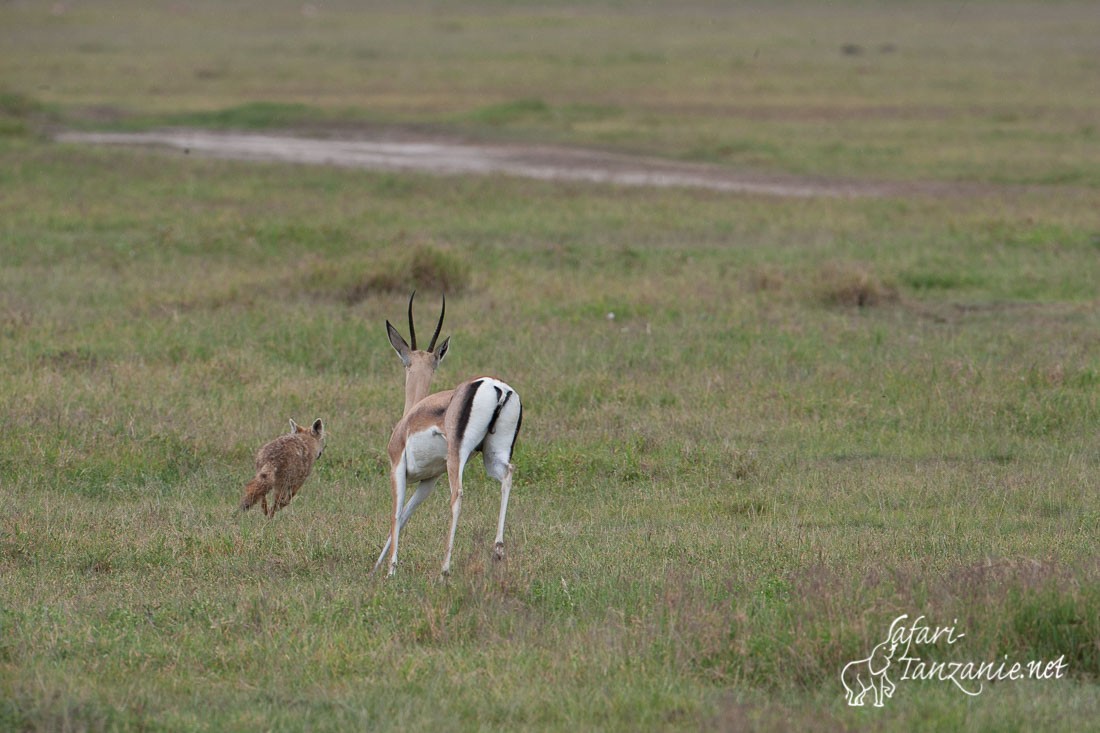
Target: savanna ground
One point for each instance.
(805, 418)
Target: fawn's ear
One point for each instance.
(318, 428)
(399, 345)
(293, 426)
(441, 350)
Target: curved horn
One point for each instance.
(438, 326)
(412, 331)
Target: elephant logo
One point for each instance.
(869, 675)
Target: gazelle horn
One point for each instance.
(438, 326)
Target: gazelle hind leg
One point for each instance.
(455, 466)
(505, 490)
(497, 454)
(456, 509)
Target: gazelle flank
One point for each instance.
(438, 434)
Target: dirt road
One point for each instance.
(546, 162)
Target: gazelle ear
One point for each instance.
(398, 344)
(318, 428)
(293, 426)
(441, 350)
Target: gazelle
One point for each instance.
(439, 432)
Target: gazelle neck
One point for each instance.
(418, 384)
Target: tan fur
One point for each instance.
(282, 466)
(429, 411)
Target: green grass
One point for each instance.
(803, 419)
(723, 494)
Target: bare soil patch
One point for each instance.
(401, 152)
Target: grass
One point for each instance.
(757, 429)
(723, 493)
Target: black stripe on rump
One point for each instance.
(502, 400)
(467, 409)
(515, 435)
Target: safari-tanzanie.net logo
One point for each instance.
(898, 659)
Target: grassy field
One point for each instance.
(804, 419)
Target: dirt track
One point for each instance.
(449, 157)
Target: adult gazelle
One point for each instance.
(439, 432)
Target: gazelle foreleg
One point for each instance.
(422, 490)
(398, 481)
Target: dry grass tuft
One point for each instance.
(853, 285)
(425, 267)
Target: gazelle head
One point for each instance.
(419, 365)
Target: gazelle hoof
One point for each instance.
(498, 551)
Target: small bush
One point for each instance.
(425, 267)
(853, 285)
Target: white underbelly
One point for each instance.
(425, 455)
